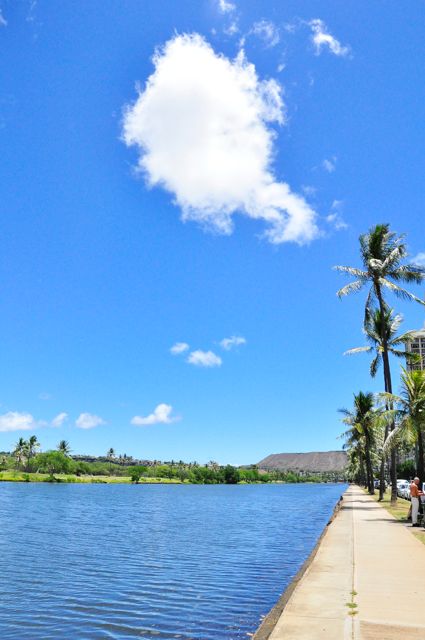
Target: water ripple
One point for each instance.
(152, 561)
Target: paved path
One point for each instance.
(365, 550)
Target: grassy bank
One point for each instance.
(20, 476)
(399, 511)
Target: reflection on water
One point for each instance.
(151, 561)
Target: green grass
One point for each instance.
(399, 511)
(20, 476)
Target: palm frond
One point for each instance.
(408, 273)
(351, 352)
(352, 287)
(399, 291)
(352, 271)
(374, 366)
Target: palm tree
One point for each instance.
(64, 447)
(21, 451)
(362, 420)
(383, 253)
(111, 454)
(411, 413)
(32, 444)
(378, 324)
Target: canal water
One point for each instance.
(90, 561)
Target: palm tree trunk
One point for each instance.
(369, 468)
(388, 389)
(421, 464)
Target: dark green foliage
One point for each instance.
(406, 469)
(231, 475)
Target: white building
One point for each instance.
(417, 345)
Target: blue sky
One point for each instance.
(319, 122)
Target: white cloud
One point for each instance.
(88, 421)
(179, 347)
(234, 341)
(201, 126)
(60, 419)
(329, 164)
(419, 260)
(204, 359)
(323, 39)
(232, 28)
(267, 31)
(15, 421)
(335, 217)
(225, 6)
(160, 415)
(3, 21)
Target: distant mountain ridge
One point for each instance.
(316, 461)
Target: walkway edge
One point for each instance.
(267, 626)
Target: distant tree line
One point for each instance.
(27, 458)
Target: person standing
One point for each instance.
(415, 494)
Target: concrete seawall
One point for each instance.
(364, 581)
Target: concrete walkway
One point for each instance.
(366, 558)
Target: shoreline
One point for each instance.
(268, 624)
(64, 478)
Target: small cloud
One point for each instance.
(290, 27)
(204, 359)
(60, 419)
(335, 218)
(281, 67)
(88, 421)
(3, 21)
(267, 32)
(160, 415)
(15, 421)
(231, 29)
(226, 7)
(419, 260)
(45, 396)
(228, 343)
(323, 39)
(179, 347)
(329, 164)
(309, 190)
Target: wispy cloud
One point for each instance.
(178, 348)
(201, 127)
(225, 6)
(204, 359)
(45, 396)
(267, 31)
(88, 421)
(16, 421)
(322, 39)
(228, 343)
(419, 259)
(329, 164)
(59, 420)
(160, 415)
(3, 21)
(335, 217)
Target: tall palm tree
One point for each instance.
(377, 325)
(21, 451)
(64, 447)
(33, 445)
(362, 420)
(383, 253)
(111, 454)
(411, 413)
